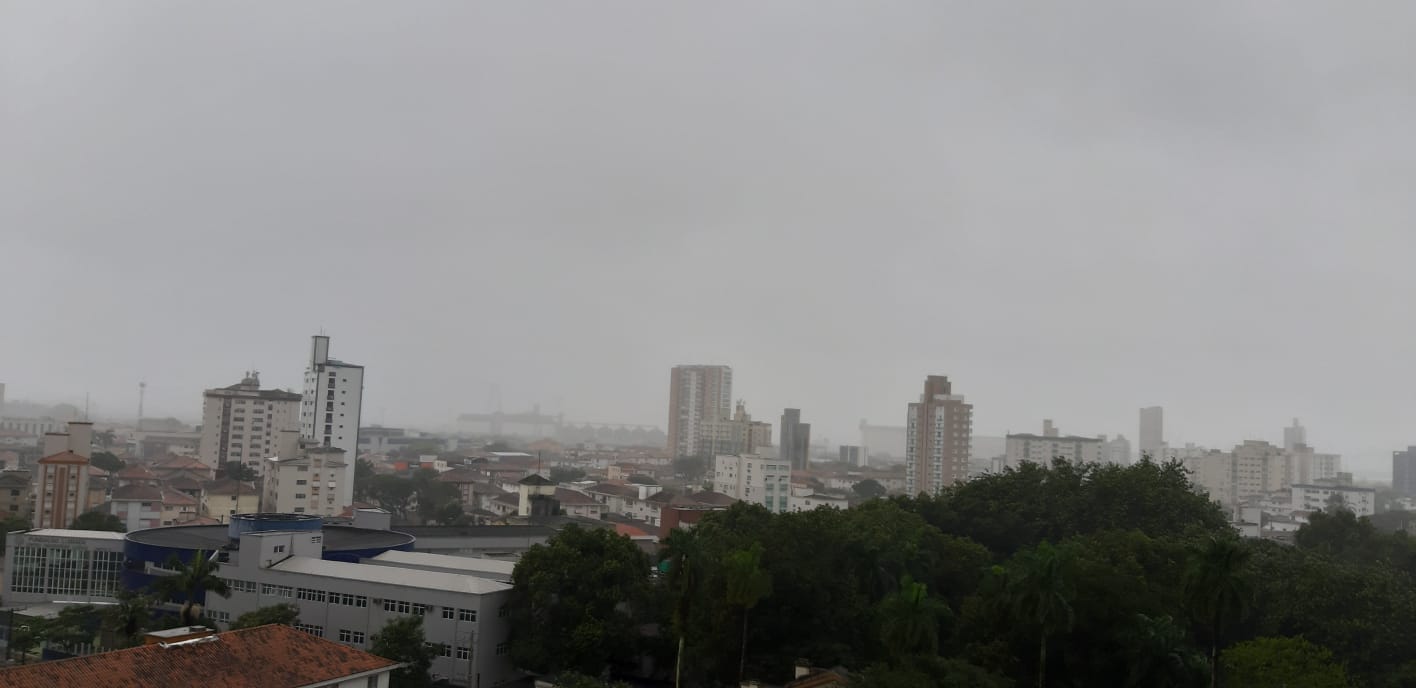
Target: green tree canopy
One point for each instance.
(571, 606)
(566, 474)
(1281, 663)
(107, 461)
(97, 520)
(286, 614)
(869, 488)
(237, 470)
(189, 583)
(402, 640)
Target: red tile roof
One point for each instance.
(273, 656)
(174, 498)
(572, 498)
(64, 457)
(136, 471)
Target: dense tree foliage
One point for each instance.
(192, 580)
(1058, 575)
(8, 525)
(402, 640)
(869, 488)
(1282, 663)
(237, 470)
(97, 520)
(574, 602)
(107, 461)
(566, 474)
(286, 614)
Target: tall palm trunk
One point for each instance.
(1214, 653)
(678, 663)
(1042, 662)
(742, 657)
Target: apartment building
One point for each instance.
(1042, 449)
(62, 484)
(1152, 435)
(16, 495)
(309, 480)
(737, 435)
(330, 407)
(241, 422)
(938, 429)
(756, 479)
(1361, 501)
(463, 610)
(795, 445)
(697, 393)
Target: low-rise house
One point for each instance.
(271, 656)
(16, 495)
(222, 499)
(137, 505)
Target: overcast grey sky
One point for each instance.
(1071, 209)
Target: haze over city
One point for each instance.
(1071, 211)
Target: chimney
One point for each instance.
(55, 443)
(81, 438)
(177, 635)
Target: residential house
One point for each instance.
(16, 496)
(137, 505)
(222, 499)
(270, 656)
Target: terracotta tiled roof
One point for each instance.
(573, 498)
(460, 475)
(273, 656)
(64, 457)
(137, 493)
(136, 472)
(228, 487)
(183, 482)
(615, 490)
(177, 462)
(175, 498)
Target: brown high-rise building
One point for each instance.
(697, 394)
(937, 434)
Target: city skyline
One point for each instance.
(1069, 224)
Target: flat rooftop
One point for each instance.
(478, 531)
(336, 538)
(426, 560)
(392, 575)
(76, 534)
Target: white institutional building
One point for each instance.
(1042, 449)
(329, 410)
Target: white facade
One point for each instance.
(811, 500)
(1361, 501)
(755, 479)
(348, 603)
(329, 409)
(1042, 449)
(243, 421)
(310, 483)
(45, 565)
(697, 393)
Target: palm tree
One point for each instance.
(748, 583)
(189, 584)
(681, 552)
(1040, 594)
(910, 619)
(127, 619)
(1217, 591)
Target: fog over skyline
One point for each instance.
(1071, 210)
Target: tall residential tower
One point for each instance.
(937, 434)
(796, 440)
(697, 393)
(1152, 437)
(329, 410)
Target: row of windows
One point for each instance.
(405, 607)
(317, 631)
(461, 614)
(348, 636)
(277, 590)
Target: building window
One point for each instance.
(448, 612)
(467, 615)
(348, 600)
(348, 636)
(310, 595)
(214, 615)
(277, 590)
(420, 609)
(464, 653)
(396, 606)
(240, 585)
(317, 631)
(503, 648)
(279, 549)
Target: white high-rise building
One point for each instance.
(756, 479)
(241, 422)
(329, 410)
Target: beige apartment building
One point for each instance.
(697, 394)
(243, 421)
(938, 430)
